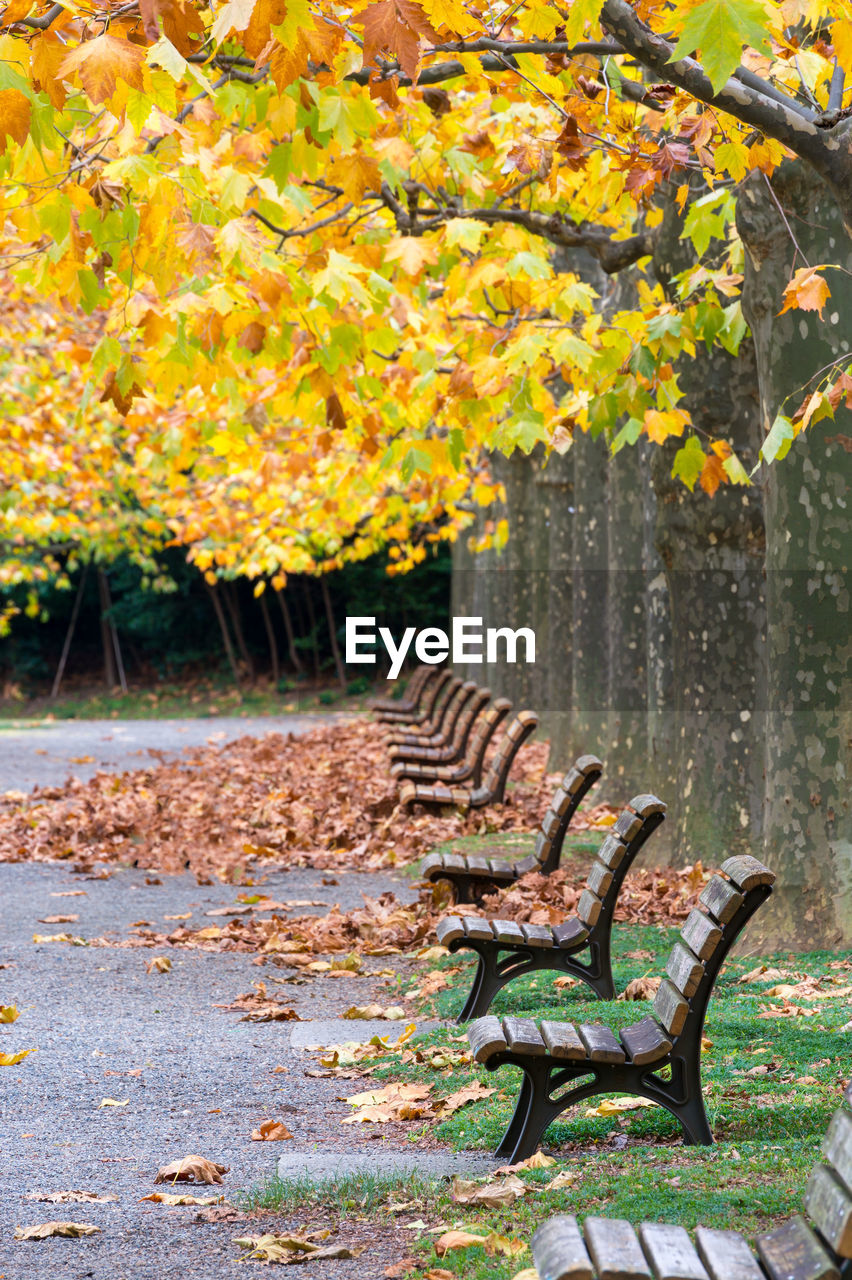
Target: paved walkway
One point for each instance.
(45, 753)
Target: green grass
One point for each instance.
(768, 1126)
(366, 1192)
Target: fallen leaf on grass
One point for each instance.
(8, 1013)
(12, 1059)
(43, 1230)
(287, 1249)
(159, 964)
(560, 1182)
(457, 1240)
(393, 1013)
(538, 1160)
(640, 989)
(58, 919)
(614, 1106)
(62, 1197)
(393, 1102)
(490, 1195)
(764, 974)
(470, 1093)
(112, 1102)
(271, 1131)
(528, 1273)
(191, 1169)
(171, 1198)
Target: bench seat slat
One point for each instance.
(448, 929)
(670, 1252)
(500, 869)
(478, 929)
(615, 1250)
(559, 1252)
(530, 863)
(523, 1036)
(726, 1255)
(478, 863)
(646, 1041)
(601, 1043)
(589, 907)
(829, 1207)
(571, 934)
(563, 1040)
(792, 1252)
(538, 935)
(486, 1038)
(670, 1007)
(508, 931)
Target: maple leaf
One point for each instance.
(99, 64)
(43, 1230)
(175, 1198)
(14, 117)
(720, 28)
(63, 1197)
(659, 425)
(393, 27)
(271, 1131)
(12, 1059)
(357, 173)
(807, 291)
(8, 1013)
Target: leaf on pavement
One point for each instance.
(64, 1197)
(271, 1131)
(43, 1230)
(538, 1160)
(272, 1248)
(112, 1102)
(58, 919)
(159, 964)
(393, 1013)
(192, 1169)
(175, 1198)
(12, 1059)
(8, 1013)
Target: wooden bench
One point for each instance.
(505, 949)
(552, 1055)
(431, 758)
(447, 712)
(474, 876)
(492, 790)
(427, 704)
(472, 765)
(435, 721)
(815, 1247)
(410, 704)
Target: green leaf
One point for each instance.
(456, 447)
(778, 440)
(719, 29)
(689, 462)
(629, 434)
(735, 471)
(414, 460)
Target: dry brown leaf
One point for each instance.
(641, 989)
(538, 1160)
(62, 1197)
(8, 1013)
(191, 1169)
(12, 1059)
(272, 1248)
(43, 1230)
(58, 919)
(370, 1012)
(470, 1093)
(457, 1240)
(615, 1106)
(271, 1131)
(176, 1198)
(158, 964)
(490, 1195)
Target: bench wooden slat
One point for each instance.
(570, 933)
(829, 1207)
(685, 969)
(646, 805)
(727, 1255)
(589, 907)
(611, 852)
(670, 1007)
(500, 869)
(721, 899)
(601, 1043)
(531, 863)
(454, 862)
(792, 1252)
(615, 1249)
(561, 803)
(563, 1040)
(478, 863)
(600, 878)
(701, 934)
(747, 873)
(538, 935)
(550, 821)
(645, 1041)
(523, 1036)
(485, 1036)
(670, 1252)
(627, 825)
(837, 1144)
(558, 1250)
(448, 929)
(507, 931)
(478, 929)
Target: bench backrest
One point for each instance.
(583, 774)
(464, 725)
(522, 727)
(434, 692)
(480, 741)
(636, 822)
(443, 704)
(828, 1195)
(725, 905)
(460, 699)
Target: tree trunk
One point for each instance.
(110, 673)
(232, 601)
(558, 476)
(589, 711)
(213, 592)
(292, 651)
(270, 637)
(808, 824)
(712, 549)
(627, 671)
(332, 633)
(69, 634)
(312, 623)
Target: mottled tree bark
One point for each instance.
(808, 825)
(590, 665)
(626, 757)
(712, 550)
(558, 477)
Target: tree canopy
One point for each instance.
(277, 273)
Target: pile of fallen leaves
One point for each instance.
(324, 800)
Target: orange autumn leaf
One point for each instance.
(99, 64)
(14, 117)
(807, 291)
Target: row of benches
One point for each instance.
(658, 1057)
(438, 741)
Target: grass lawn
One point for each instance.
(771, 1086)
